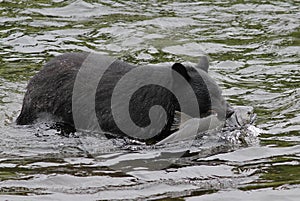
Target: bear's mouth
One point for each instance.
(229, 112)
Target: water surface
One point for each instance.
(254, 52)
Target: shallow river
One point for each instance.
(254, 52)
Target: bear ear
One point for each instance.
(179, 68)
(203, 63)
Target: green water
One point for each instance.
(254, 52)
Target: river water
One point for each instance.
(254, 52)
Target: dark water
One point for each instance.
(254, 51)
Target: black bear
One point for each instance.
(85, 90)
